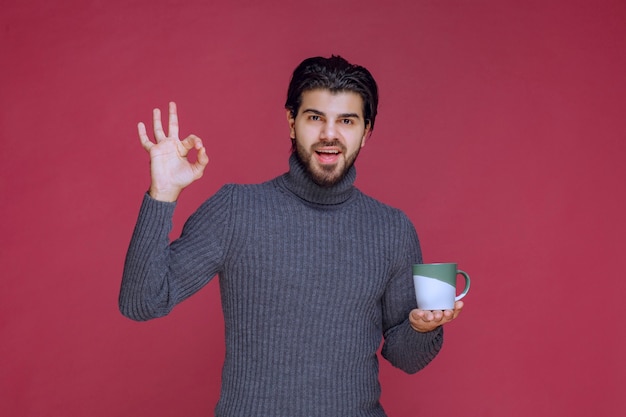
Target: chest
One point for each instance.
(328, 259)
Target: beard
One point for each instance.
(323, 175)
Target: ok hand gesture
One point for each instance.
(170, 169)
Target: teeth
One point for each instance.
(328, 151)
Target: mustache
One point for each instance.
(334, 143)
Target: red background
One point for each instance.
(501, 134)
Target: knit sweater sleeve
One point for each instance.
(404, 347)
(158, 274)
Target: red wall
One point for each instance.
(501, 134)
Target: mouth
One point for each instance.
(327, 155)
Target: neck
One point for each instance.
(299, 182)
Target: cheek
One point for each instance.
(357, 142)
(305, 132)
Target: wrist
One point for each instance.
(166, 195)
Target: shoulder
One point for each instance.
(241, 198)
(231, 190)
(392, 225)
(384, 210)
(231, 202)
(393, 229)
(250, 192)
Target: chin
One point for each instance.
(326, 177)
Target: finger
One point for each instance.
(172, 130)
(458, 307)
(201, 163)
(428, 316)
(417, 322)
(449, 315)
(191, 141)
(159, 134)
(417, 314)
(437, 315)
(203, 158)
(143, 137)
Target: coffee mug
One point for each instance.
(435, 285)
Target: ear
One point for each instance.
(366, 134)
(292, 122)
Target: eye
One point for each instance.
(314, 117)
(347, 121)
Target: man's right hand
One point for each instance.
(170, 169)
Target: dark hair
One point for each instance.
(336, 75)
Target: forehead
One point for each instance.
(332, 102)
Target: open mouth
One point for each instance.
(328, 156)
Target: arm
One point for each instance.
(153, 281)
(159, 275)
(404, 346)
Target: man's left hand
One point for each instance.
(426, 320)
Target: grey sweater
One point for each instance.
(311, 280)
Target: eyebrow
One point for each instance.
(340, 116)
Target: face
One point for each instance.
(328, 131)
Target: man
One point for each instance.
(312, 272)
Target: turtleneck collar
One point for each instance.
(297, 181)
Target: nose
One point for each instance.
(328, 131)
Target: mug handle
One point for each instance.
(467, 285)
